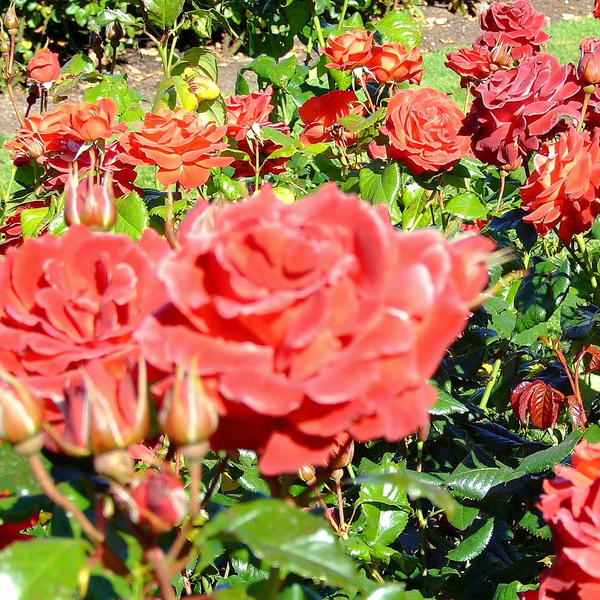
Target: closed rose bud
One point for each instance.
(204, 88)
(4, 42)
(89, 203)
(21, 415)
(44, 66)
(158, 501)
(114, 33)
(307, 473)
(187, 415)
(589, 67)
(11, 21)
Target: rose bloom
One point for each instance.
(472, 64)
(245, 168)
(589, 64)
(181, 144)
(423, 129)
(67, 300)
(321, 115)
(516, 24)
(564, 187)
(394, 62)
(90, 121)
(246, 110)
(44, 66)
(348, 50)
(312, 319)
(571, 506)
(514, 111)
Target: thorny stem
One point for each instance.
(156, 557)
(50, 489)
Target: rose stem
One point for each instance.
(50, 489)
(156, 557)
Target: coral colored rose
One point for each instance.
(44, 66)
(472, 64)
(516, 24)
(570, 504)
(182, 145)
(67, 300)
(564, 188)
(423, 128)
(589, 64)
(246, 110)
(321, 115)
(514, 111)
(348, 50)
(245, 168)
(91, 121)
(312, 319)
(394, 62)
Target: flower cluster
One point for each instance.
(383, 63)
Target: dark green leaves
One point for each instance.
(473, 545)
(288, 538)
(42, 569)
(400, 26)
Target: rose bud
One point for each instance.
(44, 66)
(21, 416)
(4, 42)
(307, 473)
(88, 203)
(204, 88)
(11, 21)
(589, 64)
(187, 415)
(158, 501)
(114, 33)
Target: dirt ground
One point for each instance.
(442, 29)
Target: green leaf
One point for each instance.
(474, 545)
(15, 474)
(400, 26)
(540, 293)
(447, 405)
(288, 538)
(78, 64)
(278, 74)
(42, 569)
(534, 524)
(476, 483)
(463, 516)
(383, 492)
(215, 110)
(510, 591)
(467, 206)
(117, 88)
(279, 138)
(31, 219)
(383, 526)
(204, 60)
(392, 591)
(132, 216)
(163, 13)
(380, 188)
(550, 457)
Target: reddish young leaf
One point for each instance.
(595, 359)
(538, 400)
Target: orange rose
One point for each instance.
(181, 144)
(348, 50)
(423, 129)
(394, 62)
(92, 121)
(44, 66)
(321, 115)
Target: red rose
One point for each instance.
(67, 300)
(394, 62)
(423, 128)
(516, 24)
(348, 50)
(247, 110)
(570, 506)
(514, 111)
(90, 121)
(564, 187)
(245, 168)
(472, 64)
(321, 115)
(181, 144)
(312, 319)
(44, 66)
